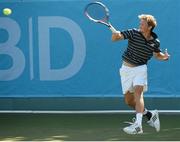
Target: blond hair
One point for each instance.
(151, 21)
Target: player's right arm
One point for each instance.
(117, 36)
(125, 34)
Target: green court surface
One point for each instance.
(82, 127)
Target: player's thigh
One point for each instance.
(127, 76)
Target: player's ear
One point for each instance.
(150, 28)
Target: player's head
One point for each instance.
(147, 22)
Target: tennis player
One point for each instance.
(143, 43)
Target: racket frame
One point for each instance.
(104, 21)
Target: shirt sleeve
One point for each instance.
(128, 34)
(157, 47)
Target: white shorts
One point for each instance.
(132, 76)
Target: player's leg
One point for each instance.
(139, 83)
(130, 101)
(141, 79)
(152, 116)
(127, 76)
(139, 99)
(136, 127)
(147, 114)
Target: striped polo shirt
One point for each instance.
(139, 50)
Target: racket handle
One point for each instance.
(166, 50)
(113, 30)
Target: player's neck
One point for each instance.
(147, 35)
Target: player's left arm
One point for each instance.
(161, 56)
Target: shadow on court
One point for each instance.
(82, 127)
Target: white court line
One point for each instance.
(84, 112)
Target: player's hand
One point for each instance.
(116, 36)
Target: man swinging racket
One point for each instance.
(143, 43)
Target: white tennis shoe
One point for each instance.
(133, 129)
(154, 121)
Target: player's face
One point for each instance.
(144, 26)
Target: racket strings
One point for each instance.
(97, 12)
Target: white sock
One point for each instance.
(139, 118)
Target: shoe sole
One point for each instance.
(141, 132)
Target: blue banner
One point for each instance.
(49, 48)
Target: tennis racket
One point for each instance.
(99, 13)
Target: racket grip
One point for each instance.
(113, 30)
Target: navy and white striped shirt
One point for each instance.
(139, 50)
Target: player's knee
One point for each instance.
(128, 100)
(138, 90)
